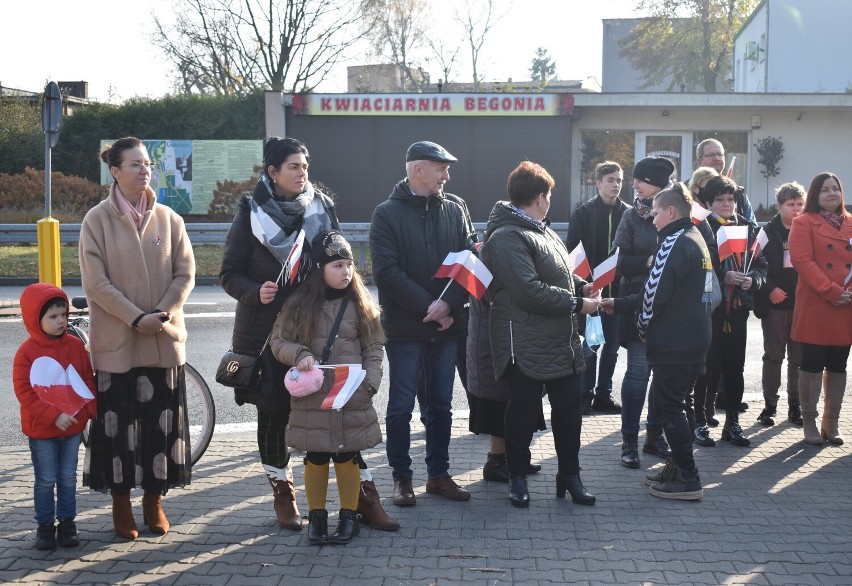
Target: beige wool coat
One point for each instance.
(353, 428)
(126, 273)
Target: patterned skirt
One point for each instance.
(141, 435)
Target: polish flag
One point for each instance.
(294, 259)
(347, 379)
(757, 246)
(580, 261)
(730, 172)
(699, 213)
(731, 239)
(605, 272)
(467, 270)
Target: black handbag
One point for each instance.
(241, 371)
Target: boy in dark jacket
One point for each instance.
(54, 382)
(674, 323)
(774, 307)
(594, 224)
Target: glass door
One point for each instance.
(674, 146)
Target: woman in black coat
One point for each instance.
(261, 237)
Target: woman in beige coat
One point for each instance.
(303, 336)
(137, 269)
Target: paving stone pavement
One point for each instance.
(777, 513)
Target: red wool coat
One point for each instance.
(822, 256)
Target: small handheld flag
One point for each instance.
(604, 273)
(467, 270)
(580, 261)
(294, 259)
(757, 247)
(347, 379)
(731, 239)
(699, 213)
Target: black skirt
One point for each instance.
(141, 435)
(489, 416)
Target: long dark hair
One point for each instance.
(812, 201)
(304, 307)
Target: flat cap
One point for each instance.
(429, 151)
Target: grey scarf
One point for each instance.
(276, 223)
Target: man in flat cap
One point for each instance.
(410, 235)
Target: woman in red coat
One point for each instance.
(821, 252)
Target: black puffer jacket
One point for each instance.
(246, 265)
(532, 320)
(637, 240)
(410, 236)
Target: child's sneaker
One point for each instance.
(68, 536)
(46, 536)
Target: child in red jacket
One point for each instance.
(54, 383)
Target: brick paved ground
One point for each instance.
(779, 513)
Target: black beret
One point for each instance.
(654, 170)
(430, 151)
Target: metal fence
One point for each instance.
(358, 234)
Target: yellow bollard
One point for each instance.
(49, 265)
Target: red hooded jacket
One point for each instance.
(46, 369)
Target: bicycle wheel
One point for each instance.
(201, 412)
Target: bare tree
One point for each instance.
(445, 56)
(476, 18)
(397, 30)
(240, 46)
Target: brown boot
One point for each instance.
(835, 385)
(153, 515)
(122, 516)
(285, 503)
(371, 510)
(809, 387)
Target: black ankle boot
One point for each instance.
(630, 450)
(347, 527)
(495, 468)
(519, 495)
(794, 414)
(732, 432)
(575, 488)
(67, 535)
(655, 442)
(318, 526)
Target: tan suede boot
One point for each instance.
(809, 387)
(122, 516)
(371, 510)
(835, 386)
(154, 517)
(286, 510)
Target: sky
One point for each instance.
(108, 44)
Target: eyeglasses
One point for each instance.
(713, 155)
(137, 167)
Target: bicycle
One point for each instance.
(200, 408)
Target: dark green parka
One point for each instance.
(533, 298)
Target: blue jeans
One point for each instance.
(608, 355)
(633, 389)
(438, 363)
(55, 464)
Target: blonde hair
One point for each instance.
(700, 174)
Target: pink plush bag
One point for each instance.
(301, 383)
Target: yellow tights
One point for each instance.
(348, 484)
